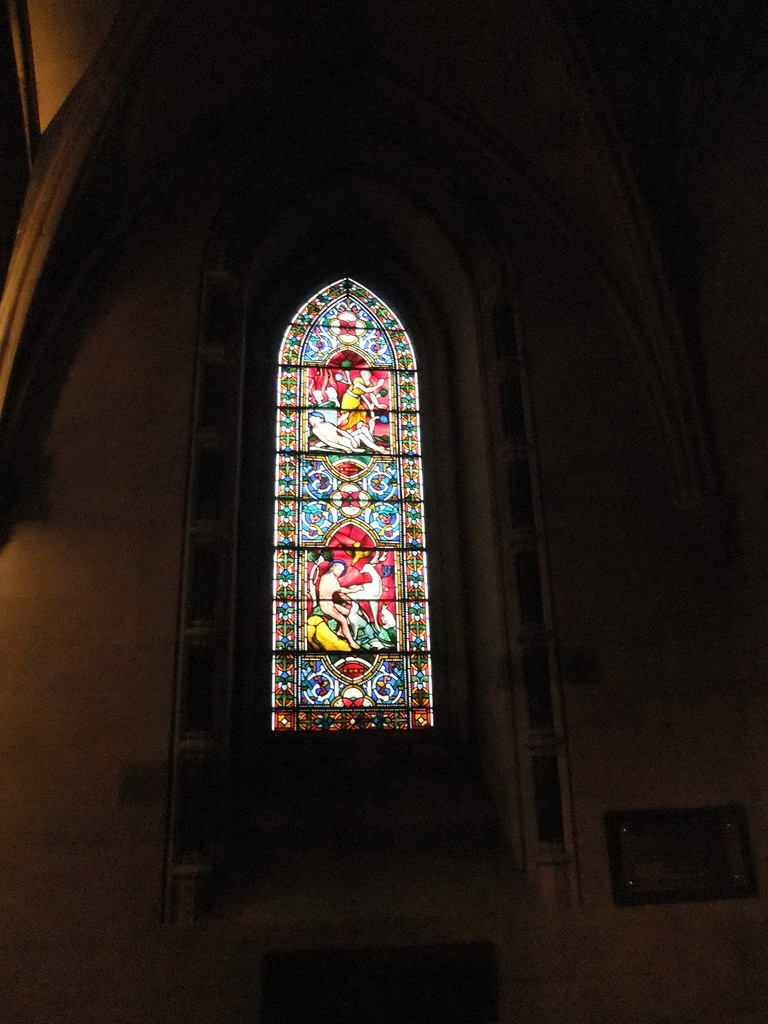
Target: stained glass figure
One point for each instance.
(351, 636)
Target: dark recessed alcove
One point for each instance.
(417, 985)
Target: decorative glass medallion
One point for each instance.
(350, 625)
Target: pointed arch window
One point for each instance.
(350, 623)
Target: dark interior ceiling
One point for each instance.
(676, 75)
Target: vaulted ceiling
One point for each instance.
(65, 35)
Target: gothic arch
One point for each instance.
(501, 181)
(439, 218)
(374, 232)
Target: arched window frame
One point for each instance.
(243, 315)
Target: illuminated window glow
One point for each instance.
(351, 637)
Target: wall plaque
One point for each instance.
(664, 856)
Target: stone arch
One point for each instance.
(376, 233)
(500, 181)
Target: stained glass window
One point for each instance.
(351, 637)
